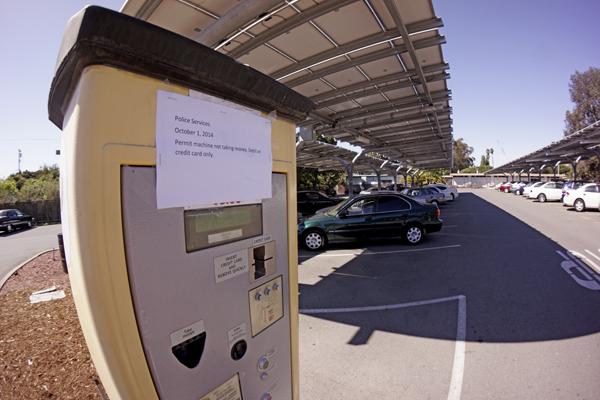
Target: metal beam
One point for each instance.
(382, 80)
(441, 96)
(231, 21)
(398, 133)
(401, 131)
(369, 113)
(353, 62)
(377, 122)
(287, 25)
(391, 6)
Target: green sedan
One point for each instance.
(381, 215)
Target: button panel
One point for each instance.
(266, 305)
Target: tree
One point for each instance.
(462, 155)
(8, 191)
(30, 185)
(584, 89)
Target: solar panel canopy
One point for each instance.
(580, 145)
(373, 68)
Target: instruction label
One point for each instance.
(237, 333)
(231, 265)
(186, 333)
(229, 390)
(210, 153)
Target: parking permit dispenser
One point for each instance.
(191, 302)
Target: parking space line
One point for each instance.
(592, 254)
(372, 253)
(458, 362)
(580, 256)
(585, 276)
(354, 275)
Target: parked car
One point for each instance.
(549, 191)
(572, 185)
(374, 189)
(440, 196)
(12, 219)
(372, 216)
(449, 192)
(583, 198)
(516, 186)
(422, 195)
(310, 201)
(527, 188)
(505, 187)
(395, 187)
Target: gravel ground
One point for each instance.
(42, 351)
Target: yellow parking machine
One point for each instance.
(179, 212)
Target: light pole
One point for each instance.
(20, 154)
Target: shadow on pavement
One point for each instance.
(509, 272)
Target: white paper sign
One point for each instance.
(210, 153)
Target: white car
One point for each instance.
(587, 196)
(549, 191)
(528, 189)
(450, 193)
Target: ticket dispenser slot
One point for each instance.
(190, 351)
(263, 260)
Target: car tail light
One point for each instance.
(438, 213)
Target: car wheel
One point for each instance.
(506, 190)
(314, 240)
(541, 198)
(29, 224)
(414, 234)
(9, 228)
(452, 196)
(579, 205)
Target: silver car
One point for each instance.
(424, 195)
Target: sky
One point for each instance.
(510, 63)
(510, 66)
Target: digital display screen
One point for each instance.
(211, 227)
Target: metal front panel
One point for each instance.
(185, 305)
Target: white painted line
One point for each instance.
(372, 253)
(579, 262)
(377, 308)
(354, 275)
(590, 279)
(560, 253)
(594, 266)
(458, 363)
(592, 254)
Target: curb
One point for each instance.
(15, 269)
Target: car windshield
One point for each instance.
(335, 209)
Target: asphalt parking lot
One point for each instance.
(495, 306)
